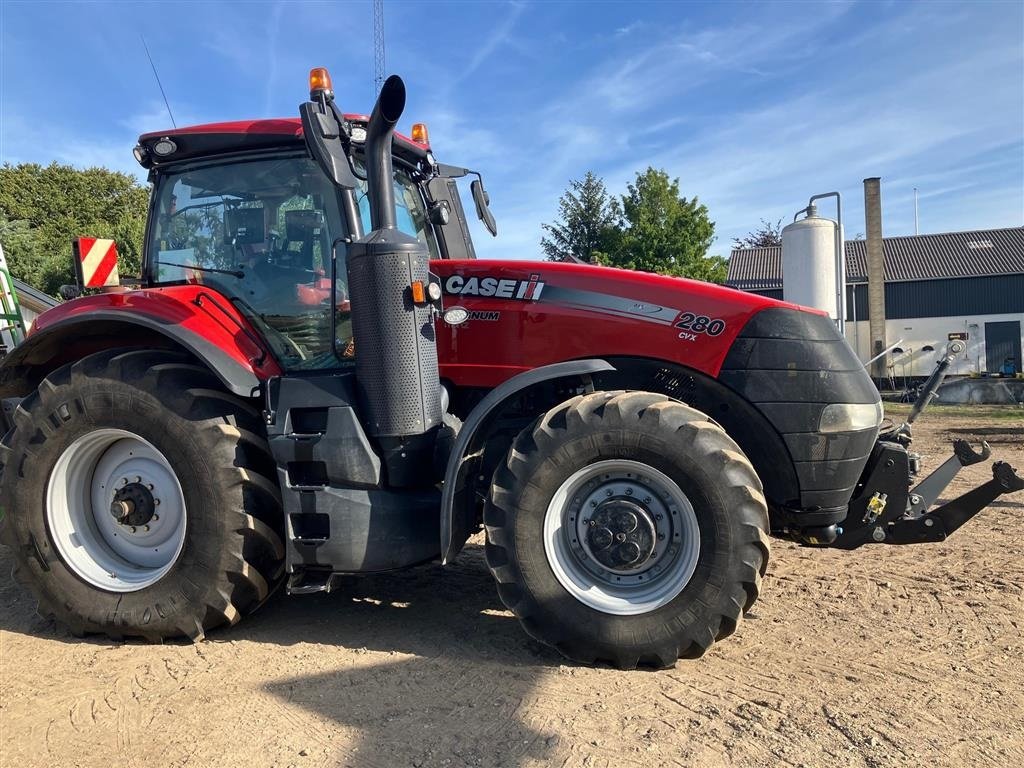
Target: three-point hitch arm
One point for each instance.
(886, 510)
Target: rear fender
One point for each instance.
(204, 326)
(457, 513)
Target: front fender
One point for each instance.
(187, 317)
(455, 526)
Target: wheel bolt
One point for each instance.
(150, 486)
(647, 499)
(661, 537)
(133, 529)
(608, 492)
(156, 502)
(138, 479)
(591, 523)
(155, 518)
(593, 504)
(124, 481)
(657, 517)
(629, 491)
(145, 527)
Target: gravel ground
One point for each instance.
(882, 657)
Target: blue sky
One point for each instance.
(753, 107)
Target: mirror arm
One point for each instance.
(446, 171)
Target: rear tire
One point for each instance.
(694, 537)
(162, 423)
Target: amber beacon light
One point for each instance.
(320, 79)
(419, 133)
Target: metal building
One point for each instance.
(33, 302)
(935, 285)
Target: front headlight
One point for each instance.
(850, 417)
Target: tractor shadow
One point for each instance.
(461, 684)
(461, 688)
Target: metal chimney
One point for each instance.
(876, 273)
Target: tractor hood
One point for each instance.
(523, 314)
(788, 363)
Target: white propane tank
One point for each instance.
(809, 262)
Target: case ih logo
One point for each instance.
(501, 288)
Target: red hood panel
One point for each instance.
(525, 314)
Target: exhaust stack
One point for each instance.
(379, 134)
(396, 356)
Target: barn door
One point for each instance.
(1002, 340)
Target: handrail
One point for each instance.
(12, 323)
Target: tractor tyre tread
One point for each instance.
(211, 584)
(536, 449)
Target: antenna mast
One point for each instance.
(158, 83)
(378, 46)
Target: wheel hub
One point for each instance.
(133, 505)
(116, 510)
(621, 535)
(625, 527)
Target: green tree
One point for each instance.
(768, 235)
(43, 208)
(660, 231)
(587, 218)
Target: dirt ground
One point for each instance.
(886, 656)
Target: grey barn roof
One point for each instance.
(33, 298)
(914, 257)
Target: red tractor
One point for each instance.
(317, 378)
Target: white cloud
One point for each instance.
(628, 29)
(495, 40)
(912, 118)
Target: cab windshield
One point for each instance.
(260, 232)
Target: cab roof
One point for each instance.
(213, 139)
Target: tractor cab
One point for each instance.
(263, 231)
(245, 209)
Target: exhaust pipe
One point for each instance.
(397, 377)
(379, 134)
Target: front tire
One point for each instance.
(627, 528)
(139, 499)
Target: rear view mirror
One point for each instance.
(483, 212)
(322, 131)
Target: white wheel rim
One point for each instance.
(652, 584)
(83, 485)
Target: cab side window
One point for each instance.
(410, 212)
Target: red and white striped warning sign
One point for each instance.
(97, 262)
